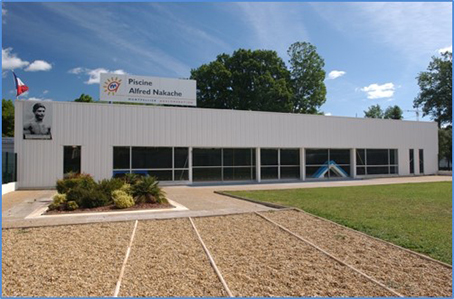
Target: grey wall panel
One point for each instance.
(99, 127)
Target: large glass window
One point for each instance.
(327, 163)
(165, 163)
(279, 164)
(376, 161)
(223, 164)
(71, 159)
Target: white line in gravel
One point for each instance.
(330, 255)
(226, 287)
(122, 271)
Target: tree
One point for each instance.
(84, 98)
(374, 111)
(393, 112)
(445, 144)
(247, 80)
(7, 118)
(435, 94)
(307, 75)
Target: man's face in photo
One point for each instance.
(39, 113)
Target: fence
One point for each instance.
(9, 165)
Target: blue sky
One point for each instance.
(372, 51)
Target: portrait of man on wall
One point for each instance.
(37, 120)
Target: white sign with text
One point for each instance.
(150, 90)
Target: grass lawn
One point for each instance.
(417, 216)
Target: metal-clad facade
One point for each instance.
(99, 127)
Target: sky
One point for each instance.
(372, 51)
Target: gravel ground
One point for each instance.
(258, 259)
(167, 259)
(80, 260)
(402, 271)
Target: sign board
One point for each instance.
(152, 90)
(37, 120)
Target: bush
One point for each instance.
(131, 178)
(148, 190)
(71, 206)
(58, 201)
(126, 188)
(75, 180)
(88, 198)
(108, 186)
(122, 200)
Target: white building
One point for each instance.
(191, 145)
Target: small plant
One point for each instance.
(148, 190)
(131, 178)
(58, 201)
(122, 200)
(75, 180)
(88, 198)
(126, 188)
(71, 206)
(107, 186)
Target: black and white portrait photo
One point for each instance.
(37, 120)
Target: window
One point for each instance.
(376, 161)
(327, 163)
(279, 164)
(71, 159)
(223, 164)
(412, 161)
(165, 163)
(421, 161)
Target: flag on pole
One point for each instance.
(20, 86)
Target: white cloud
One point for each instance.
(76, 71)
(375, 91)
(45, 92)
(95, 74)
(39, 65)
(447, 49)
(328, 114)
(10, 61)
(4, 11)
(39, 99)
(335, 74)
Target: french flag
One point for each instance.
(20, 86)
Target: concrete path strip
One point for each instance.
(331, 256)
(218, 273)
(122, 271)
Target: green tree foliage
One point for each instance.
(374, 111)
(435, 85)
(247, 80)
(7, 118)
(84, 98)
(307, 75)
(393, 112)
(445, 144)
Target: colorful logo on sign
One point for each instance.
(111, 85)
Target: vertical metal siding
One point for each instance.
(99, 127)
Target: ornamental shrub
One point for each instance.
(131, 178)
(148, 190)
(72, 181)
(88, 197)
(71, 206)
(126, 188)
(107, 186)
(58, 201)
(122, 200)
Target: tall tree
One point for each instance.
(84, 98)
(393, 112)
(308, 77)
(247, 80)
(435, 85)
(374, 111)
(7, 118)
(445, 144)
